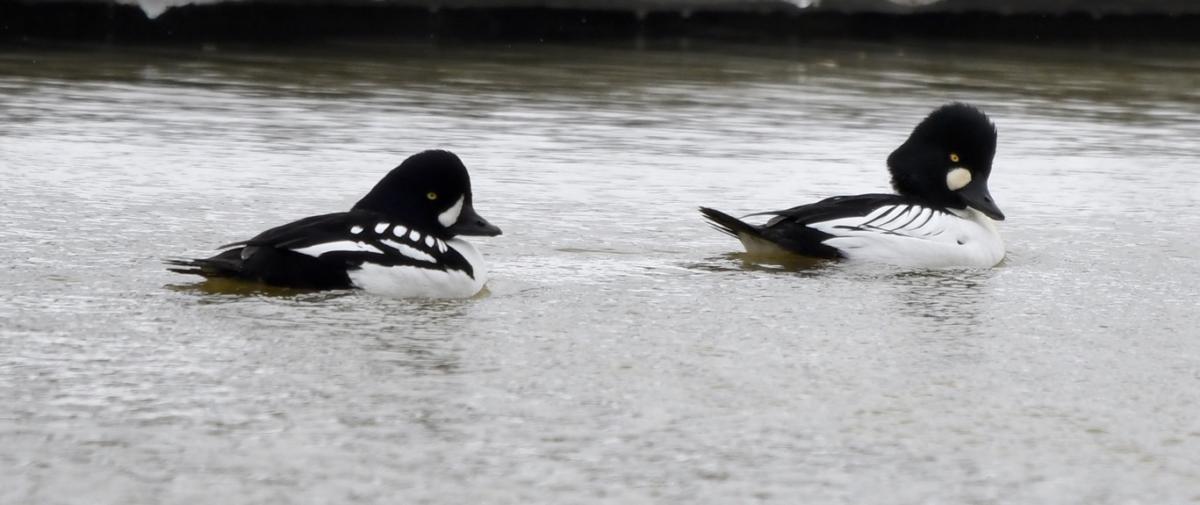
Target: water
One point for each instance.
(623, 355)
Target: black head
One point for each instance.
(430, 191)
(947, 159)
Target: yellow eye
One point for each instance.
(954, 157)
(431, 195)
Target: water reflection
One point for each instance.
(236, 288)
(792, 264)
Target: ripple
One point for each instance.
(625, 352)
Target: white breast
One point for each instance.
(417, 282)
(916, 237)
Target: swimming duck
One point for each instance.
(400, 240)
(941, 216)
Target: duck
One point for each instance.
(941, 215)
(401, 240)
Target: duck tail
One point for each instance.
(226, 264)
(728, 224)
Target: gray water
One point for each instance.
(623, 354)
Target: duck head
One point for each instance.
(947, 160)
(430, 191)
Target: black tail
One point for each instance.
(268, 265)
(728, 224)
(226, 264)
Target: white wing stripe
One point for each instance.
(878, 214)
(913, 225)
(905, 220)
(409, 251)
(316, 250)
(914, 212)
(932, 214)
(898, 218)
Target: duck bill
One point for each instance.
(471, 223)
(978, 197)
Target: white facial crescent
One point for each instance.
(450, 216)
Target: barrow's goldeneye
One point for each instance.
(400, 240)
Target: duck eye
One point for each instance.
(954, 157)
(431, 195)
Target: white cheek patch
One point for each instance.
(450, 216)
(958, 178)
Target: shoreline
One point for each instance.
(754, 21)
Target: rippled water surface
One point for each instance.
(623, 355)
